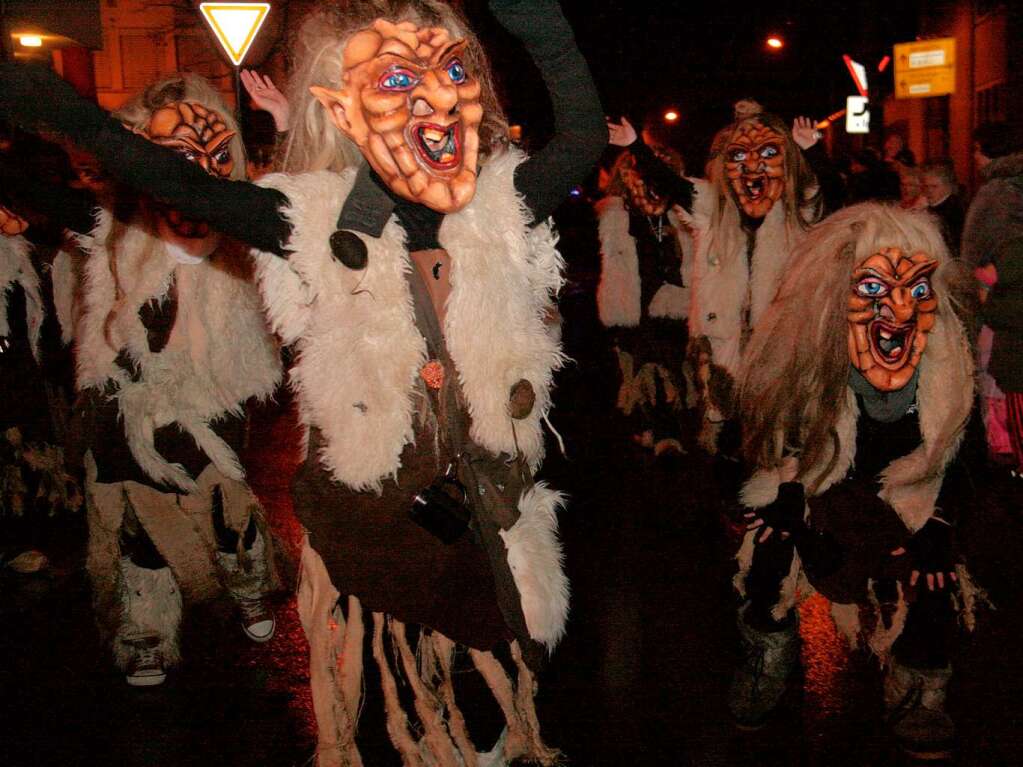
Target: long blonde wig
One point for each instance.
(793, 378)
(314, 142)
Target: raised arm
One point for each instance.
(39, 101)
(665, 181)
(580, 135)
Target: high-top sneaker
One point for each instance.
(769, 658)
(146, 664)
(248, 581)
(915, 701)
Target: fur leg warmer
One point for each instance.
(150, 607)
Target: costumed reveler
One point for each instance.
(747, 221)
(170, 345)
(855, 394)
(414, 284)
(33, 476)
(646, 266)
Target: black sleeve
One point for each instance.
(64, 207)
(666, 182)
(828, 180)
(580, 133)
(38, 100)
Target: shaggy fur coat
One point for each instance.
(619, 292)
(360, 352)
(727, 278)
(16, 269)
(219, 353)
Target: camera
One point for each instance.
(441, 509)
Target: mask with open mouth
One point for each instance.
(755, 167)
(891, 311)
(11, 224)
(202, 137)
(413, 109)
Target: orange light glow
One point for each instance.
(31, 41)
(671, 116)
(775, 42)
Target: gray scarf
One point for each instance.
(884, 406)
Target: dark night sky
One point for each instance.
(701, 57)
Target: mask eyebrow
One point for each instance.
(457, 46)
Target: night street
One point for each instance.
(640, 678)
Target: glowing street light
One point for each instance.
(31, 41)
(776, 43)
(671, 116)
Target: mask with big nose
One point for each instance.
(413, 108)
(891, 310)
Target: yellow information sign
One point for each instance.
(925, 68)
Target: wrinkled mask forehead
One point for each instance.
(196, 132)
(412, 106)
(11, 224)
(754, 163)
(892, 308)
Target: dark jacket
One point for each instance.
(994, 234)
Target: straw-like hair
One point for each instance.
(793, 378)
(314, 143)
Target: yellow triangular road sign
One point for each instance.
(235, 25)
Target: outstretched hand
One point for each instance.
(930, 550)
(267, 97)
(805, 133)
(621, 134)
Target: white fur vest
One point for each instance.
(619, 293)
(16, 269)
(359, 350)
(219, 353)
(725, 283)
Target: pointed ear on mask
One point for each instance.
(335, 103)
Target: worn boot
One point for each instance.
(769, 658)
(915, 701)
(248, 582)
(147, 638)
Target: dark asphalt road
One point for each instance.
(640, 679)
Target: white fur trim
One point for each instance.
(536, 559)
(150, 606)
(16, 269)
(359, 350)
(63, 276)
(219, 353)
(618, 293)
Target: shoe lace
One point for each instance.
(754, 663)
(147, 655)
(252, 609)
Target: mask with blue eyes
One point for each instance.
(411, 103)
(892, 308)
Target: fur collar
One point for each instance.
(219, 353)
(16, 269)
(359, 350)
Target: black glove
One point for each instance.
(784, 513)
(820, 553)
(932, 553)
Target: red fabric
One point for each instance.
(1014, 411)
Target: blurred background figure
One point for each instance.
(911, 195)
(940, 187)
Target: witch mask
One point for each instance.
(413, 109)
(642, 198)
(755, 167)
(891, 310)
(201, 136)
(11, 224)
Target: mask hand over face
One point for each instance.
(891, 310)
(755, 168)
(201, 136)
(10, 223)
(412, 107)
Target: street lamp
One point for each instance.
(671, 116)
(775, 43)
(31, 41)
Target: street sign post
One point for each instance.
(857, 115)
(925, 68)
